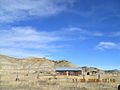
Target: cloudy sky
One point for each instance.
(85, 32)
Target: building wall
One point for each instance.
(70, 73)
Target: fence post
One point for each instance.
(118, 87)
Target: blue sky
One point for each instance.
(85, 32)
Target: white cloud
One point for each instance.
(114, 34)
(98, 34)
(74, 29)
(16, 52)
(12, 10)
(108, 45)
(83, 33)
(28, 41)
(26, 35)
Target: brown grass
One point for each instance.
(56, 83)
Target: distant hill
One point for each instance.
(33, 63)
(42, 64)
(112, 71)
(64, 63)
(90, 68)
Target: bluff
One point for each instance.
(32, 64)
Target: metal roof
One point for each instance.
(67, 69)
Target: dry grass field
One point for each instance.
(59, 83)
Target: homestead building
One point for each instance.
(69, 71)
(78, 71)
